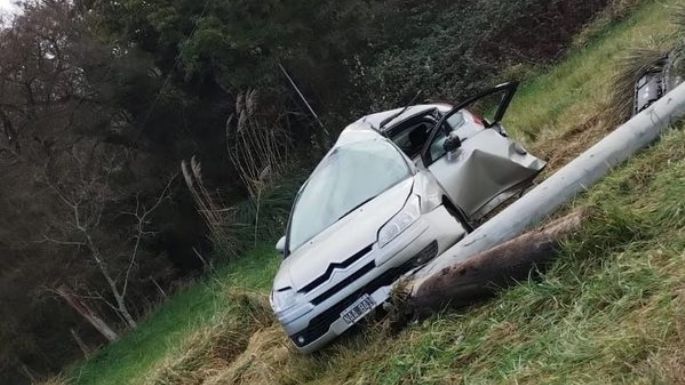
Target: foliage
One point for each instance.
(237, 228)
(463, 46)
(609, 311)
(101, 101)
(68, 186)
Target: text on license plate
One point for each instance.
(359, 309)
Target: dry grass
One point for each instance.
(263, 362)
(244, 346)
(668, 364)
(207, 349)
(220, 345)
(630, 68)
(560, 149)
(217, 216)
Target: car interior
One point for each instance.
(411, 136)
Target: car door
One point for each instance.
(474, 161)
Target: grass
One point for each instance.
(573, 91)
(190, 310)
(610, 311)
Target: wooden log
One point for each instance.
(87, 313)
(481, 275)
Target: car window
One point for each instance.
(455, 122)
(412, 139)
(349, 176)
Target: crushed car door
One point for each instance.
(478, 166)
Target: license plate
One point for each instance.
(358, 310)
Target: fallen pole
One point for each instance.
(486, 272)
(569, 181)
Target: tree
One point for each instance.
(79, 191)
(86, 194)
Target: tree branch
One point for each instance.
(140, 228)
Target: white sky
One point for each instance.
(7, 6)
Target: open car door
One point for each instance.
(474, 161)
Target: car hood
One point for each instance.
(342, 240)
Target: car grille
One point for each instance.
(320, 324)
(344, 283)
(327, 275)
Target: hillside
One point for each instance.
(610, 311)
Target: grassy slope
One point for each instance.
(576, 88)
(126, 361)
(609, 311)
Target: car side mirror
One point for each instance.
(452, 142)
(280, 246)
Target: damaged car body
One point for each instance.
(397, 189)
(657, 79)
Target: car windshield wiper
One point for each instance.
(402, 111)
(358, 206)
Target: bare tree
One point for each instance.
(65, 184)
(86, 200)
(81, 307)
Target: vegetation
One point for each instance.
(101, 102)
(609, 311)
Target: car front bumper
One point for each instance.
(312, 326)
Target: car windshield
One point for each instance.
(348, 177)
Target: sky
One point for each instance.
(7, 6)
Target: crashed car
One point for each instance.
(396, 190)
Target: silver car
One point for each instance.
(397, 189)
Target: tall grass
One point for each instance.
(274, 208)
(236, 228)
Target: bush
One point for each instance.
(463, 47)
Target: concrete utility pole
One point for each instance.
(571, 180)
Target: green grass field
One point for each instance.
(611, 310)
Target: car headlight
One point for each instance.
(400, 222)
(283, 300)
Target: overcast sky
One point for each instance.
(7, 6)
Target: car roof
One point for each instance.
(368, 126)
(377, 119)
